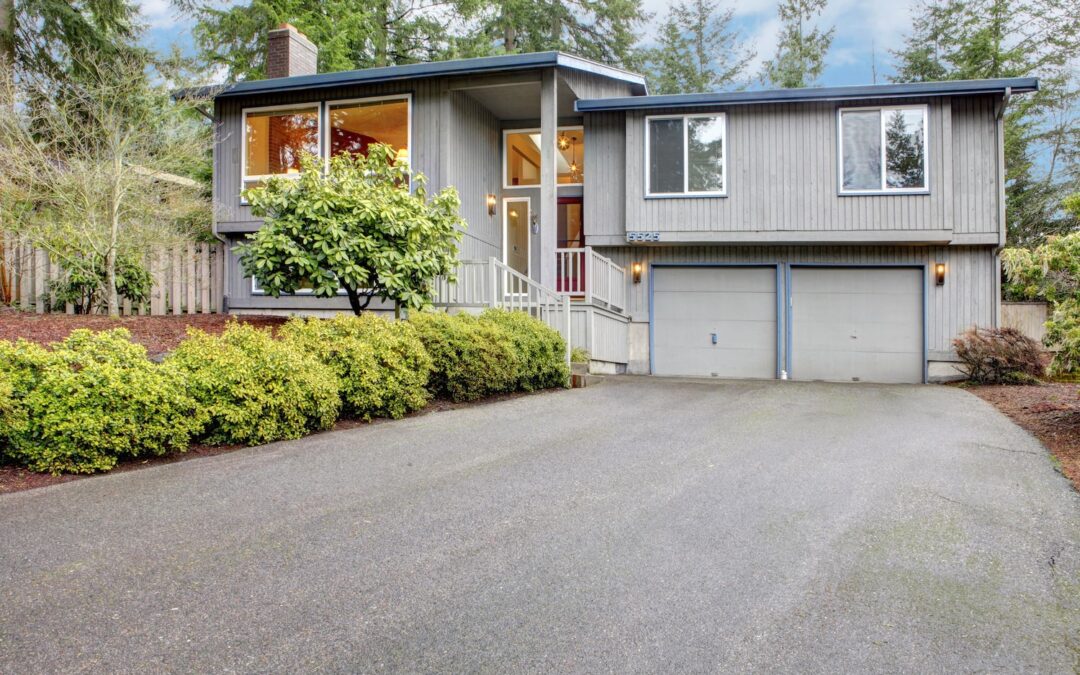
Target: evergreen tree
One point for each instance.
(974, 39)
(800, 53)
(697, 50)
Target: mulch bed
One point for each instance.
(1051, 412)
(159, 334)
(15, 479)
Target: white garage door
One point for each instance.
(852, 324)
(737, 305)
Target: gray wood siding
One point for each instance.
(604, 187)
(974, 170)
(783, 187)
(473, 167)
(588, 85)
(967, 299)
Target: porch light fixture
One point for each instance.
(939, 274)
(491, 205)
(635, 271)
(564, 142)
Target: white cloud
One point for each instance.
(157, 13)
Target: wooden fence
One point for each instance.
(187, 279)
(1027, 317)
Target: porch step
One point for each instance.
(580, 380)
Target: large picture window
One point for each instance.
(521, 157)
(883, 149)
(355, 125)
(275, 138)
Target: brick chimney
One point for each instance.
(289, 53)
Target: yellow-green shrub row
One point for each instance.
(95, 398)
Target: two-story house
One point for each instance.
(836, 233)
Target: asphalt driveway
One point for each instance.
(642, 525)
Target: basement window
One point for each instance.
(883, 150)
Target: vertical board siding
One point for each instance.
(474, 168)
(974, 174)
(782, 176)
(967, 299)
(588, 85)
(604, 200)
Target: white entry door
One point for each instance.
(516, 240)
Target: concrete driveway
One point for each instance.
(642, 525)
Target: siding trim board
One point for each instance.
(652, 321)
(788, 304)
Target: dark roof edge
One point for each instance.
(1017, 85)
(486, 64)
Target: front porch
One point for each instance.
(587, 305)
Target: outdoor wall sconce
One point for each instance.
(939, 274)
(635, 271)
(491, 205)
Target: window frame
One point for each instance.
(244, 177)
(687, 193)
(883, 189)
(529, 130)
(324, 135)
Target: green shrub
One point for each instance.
(579, 355)
(540, 350)
(22, 365)
(382, 366)
(255, 389)
(470, 358)
(94, 399)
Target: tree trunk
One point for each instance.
(355, 303)
(110, 283)
(381, 39)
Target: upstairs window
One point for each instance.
(275, 138)
(685, 155)
(883, 149)
(354, 125)
(521, 157)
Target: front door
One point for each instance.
(516, 234)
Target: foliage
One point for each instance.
(540, 351)
(94, 399)
(975, 39)
(697, 50)
(82, 286)
(800, 52)
(357, 226)
(22, 365)
(1051, 272)
(999, 356)
(255, 389)
(394, 32)
(470, 358)
(90, 175)
(382, 366)
(579, 355)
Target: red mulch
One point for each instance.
(15, 479)
(1051, 412)
(159, 334)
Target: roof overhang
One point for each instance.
(1016, 85)
(487, 64)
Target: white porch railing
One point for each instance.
(492, 283)
(584, 273)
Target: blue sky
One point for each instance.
(863, 27)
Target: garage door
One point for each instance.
(862, 325)
(736, 304)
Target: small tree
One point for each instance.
(93, 172)
(800, 52)
(366, 226)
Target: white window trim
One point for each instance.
(505, 148)
(244, 178)
(686, 193)
(528, 231)
(324, 121)
(255, 290)
(884, 189)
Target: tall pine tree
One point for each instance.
(697, 50)
(800, 53)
